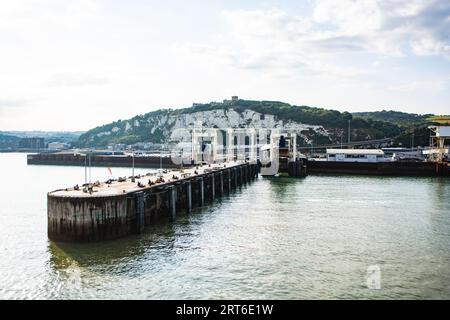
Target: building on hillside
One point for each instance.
(35, 143)
(57, 146)
(233, 98)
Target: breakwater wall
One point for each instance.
(117, 209)
(70, 159)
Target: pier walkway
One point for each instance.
(116, 187)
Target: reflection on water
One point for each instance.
(272, 239)
(282, 187)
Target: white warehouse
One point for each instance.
(356, 155)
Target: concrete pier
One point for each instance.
(116, 209)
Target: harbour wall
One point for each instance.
(69, 159)
(395, 168)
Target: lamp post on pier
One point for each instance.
(132, 171)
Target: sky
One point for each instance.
(73, 65)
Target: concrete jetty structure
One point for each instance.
(117, 208)
(218, 162)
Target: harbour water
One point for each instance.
(279, 238)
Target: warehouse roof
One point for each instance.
(356, 151)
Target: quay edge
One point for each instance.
(395, 168)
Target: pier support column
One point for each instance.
(172, 203)
(213, 186)
(188, 196)
(221, 183)
(238, 176)
(230, 143)
(202, 192)
(140, 211)
(235, 178)
(229, 180)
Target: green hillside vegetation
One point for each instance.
(442, 120)
(364, 125)
(139, 134)
(8, 141)
(400, 118)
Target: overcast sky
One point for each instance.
(73, 65)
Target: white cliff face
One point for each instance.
(106, 133)
(232, 119)
(219, 118)
(224, 119)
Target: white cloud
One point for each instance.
(350, 17)
(387, 26)
(20, 15)
(76, 79)
(12, 102)
(274, 39)
(414, 86)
